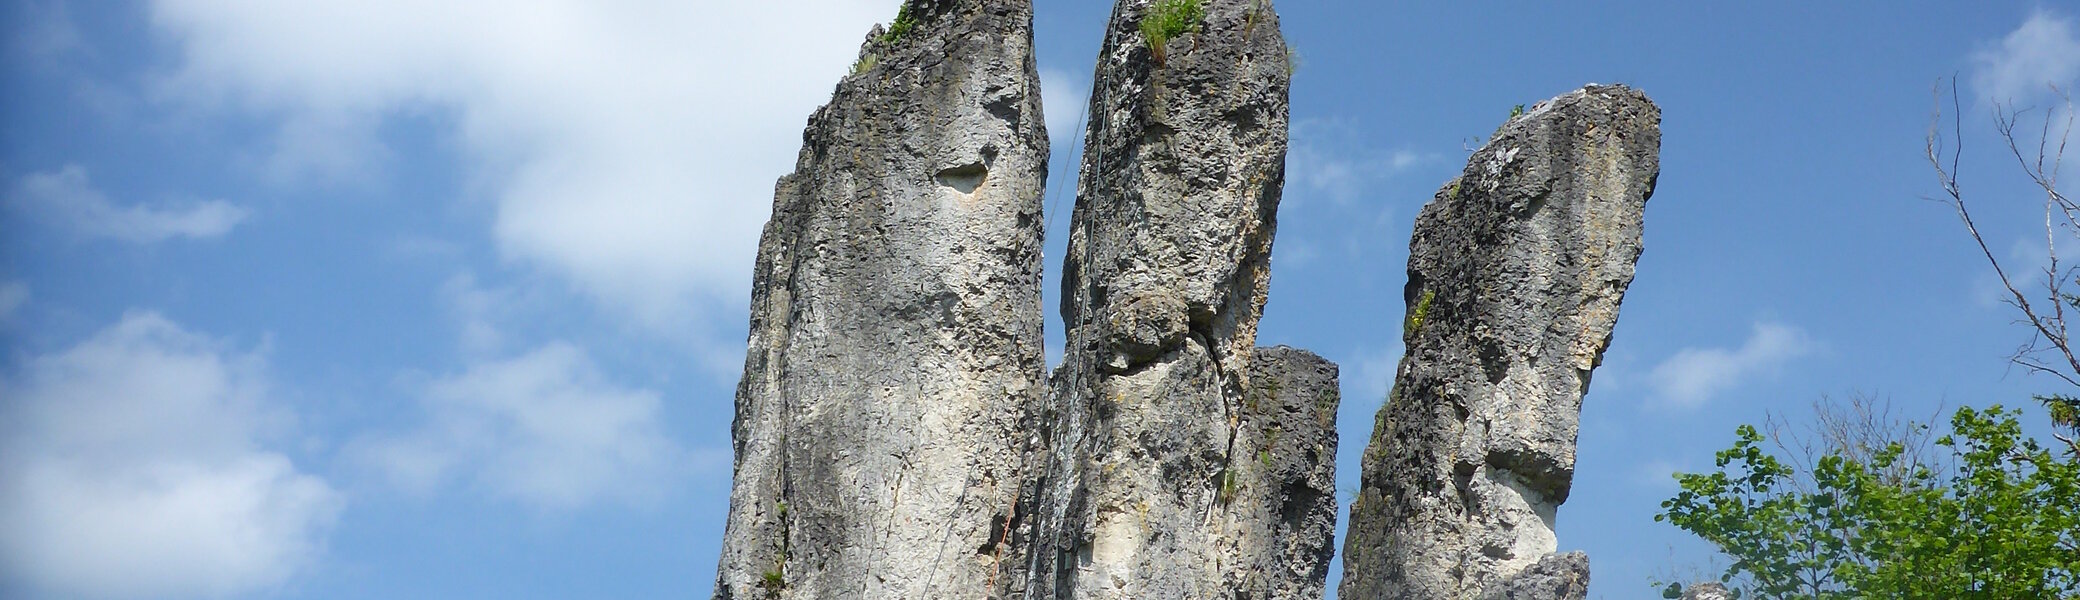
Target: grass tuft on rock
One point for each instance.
(1167, 19)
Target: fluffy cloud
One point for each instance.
(2043, 52)
(544, 428)
(67, 198)
(133, 467)
(13, 295)
(1694, 375)
(631, 147)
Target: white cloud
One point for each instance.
(2043, 52)
(133, 467)
(334, 147)
(631, 147)
(1064, 97)
(477, 311)
(67, 198)
(544, 428)
(1367, 380)
(1324, 160)
(1693, 375)
(13, 295)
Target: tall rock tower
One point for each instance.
(1176, 460)
(1515, 275)
(895, 336)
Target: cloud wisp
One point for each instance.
(1693, 376)
(544, 428)
(13, 295)
(134, 466)
(68, 199)
(1065, 98)
(1324, 161)
(630, 147)
(2043, 52)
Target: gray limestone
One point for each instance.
(1707, 591)
(895, 337)
(1154, 468)
(1554, 576)
(1281, 514)
(895, 436)
(1516, 272)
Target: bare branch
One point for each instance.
(2049, 327)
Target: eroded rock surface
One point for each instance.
(1554, 576)
(1148, 481)
(1281, 515)
(895, 323)
(1516, 272)
(1707, 591)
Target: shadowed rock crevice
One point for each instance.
(964, 178)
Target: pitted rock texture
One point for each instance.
(895, 335)
(1555, 576)
(1707, 591)
(1280, 522)
(1515, 275)
(1143, 458)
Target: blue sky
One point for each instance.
(436, 299)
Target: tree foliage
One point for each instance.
(2002, 523)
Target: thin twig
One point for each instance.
(2051, 329)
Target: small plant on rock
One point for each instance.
(1514, 112)
(904, 21)
(1415, 318)
(1167, 19)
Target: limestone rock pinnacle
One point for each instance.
(895, 335)
(1164, 464)
(1515, 275)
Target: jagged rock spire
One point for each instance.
(1164, 469)
(1516, 271)
(895, 335)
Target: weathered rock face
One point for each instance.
(1147, 479)
(1707, 591)
(1515, 274)
(1281, 514)
(1554, 576)
(895, 324)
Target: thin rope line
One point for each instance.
(1054, 202)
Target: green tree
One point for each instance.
(2001, 524)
